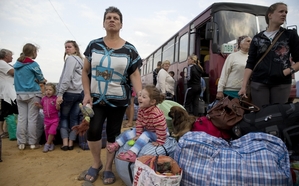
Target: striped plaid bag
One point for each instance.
(254, 159)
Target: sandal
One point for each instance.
(93, 173)
(4, 135)
(128, 156)
(108, 175)
(112, 147)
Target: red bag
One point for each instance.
(205, 125)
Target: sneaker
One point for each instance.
(46, 147)
(51, 147)
(22, 146)
(34, 147)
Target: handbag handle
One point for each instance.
(156, 158)
(269, 48)
(249, 106)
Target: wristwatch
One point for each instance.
(292, 70)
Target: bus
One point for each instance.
(212, 37)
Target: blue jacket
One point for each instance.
(27, 77)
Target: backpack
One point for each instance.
(281, 120)
(254, 159)
(205, 125)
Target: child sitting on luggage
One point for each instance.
(150, 125)
(51, 116)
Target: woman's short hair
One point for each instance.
(4, 52)
(240, 39)
(165, 62)
(113, 9)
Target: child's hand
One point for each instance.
(155, 143)
(135, 138)
(37, 104)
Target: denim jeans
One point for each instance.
(70, 114)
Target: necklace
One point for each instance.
(271, 34)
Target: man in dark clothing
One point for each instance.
(156, 71)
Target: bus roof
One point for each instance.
(257, 10)
(239, 7)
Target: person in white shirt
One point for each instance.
(7, 89)
(232, 73)
(165, 82)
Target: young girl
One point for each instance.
(51, 117)
(150, 125)
(27, 76)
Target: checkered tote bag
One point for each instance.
(254, 159)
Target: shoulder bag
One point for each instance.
(228, 112)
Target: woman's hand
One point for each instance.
(219, 95)
(287, 71)
(87, 100)
(242, 92)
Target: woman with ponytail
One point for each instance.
(27, 78)
(193, 91)
(70, 94)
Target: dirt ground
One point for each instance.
(35, 168)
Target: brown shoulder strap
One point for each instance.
(269, 48)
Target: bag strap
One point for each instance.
(166, 153)
(269, 48)
(130, 172)
(248, 106)
(156, 158)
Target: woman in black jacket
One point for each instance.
(192, 94)
(272, 77)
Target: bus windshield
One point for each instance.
(233, 24)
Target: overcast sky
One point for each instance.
(146, 24)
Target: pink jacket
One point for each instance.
(49, 107)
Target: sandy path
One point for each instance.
(35, 168)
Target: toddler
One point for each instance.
(51, 116)
(150, 125)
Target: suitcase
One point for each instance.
(281, 120)
(254, 159)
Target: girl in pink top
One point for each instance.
(150, 125)
(51, 117)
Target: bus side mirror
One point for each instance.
(210, 30)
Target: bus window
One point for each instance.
(232, 24)
(141, 70)
(168, 51)
(176, 53)
(192, 42)
(144, 69)
(262, 23)
(157, 58)
(149, 63)
(183, 50)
